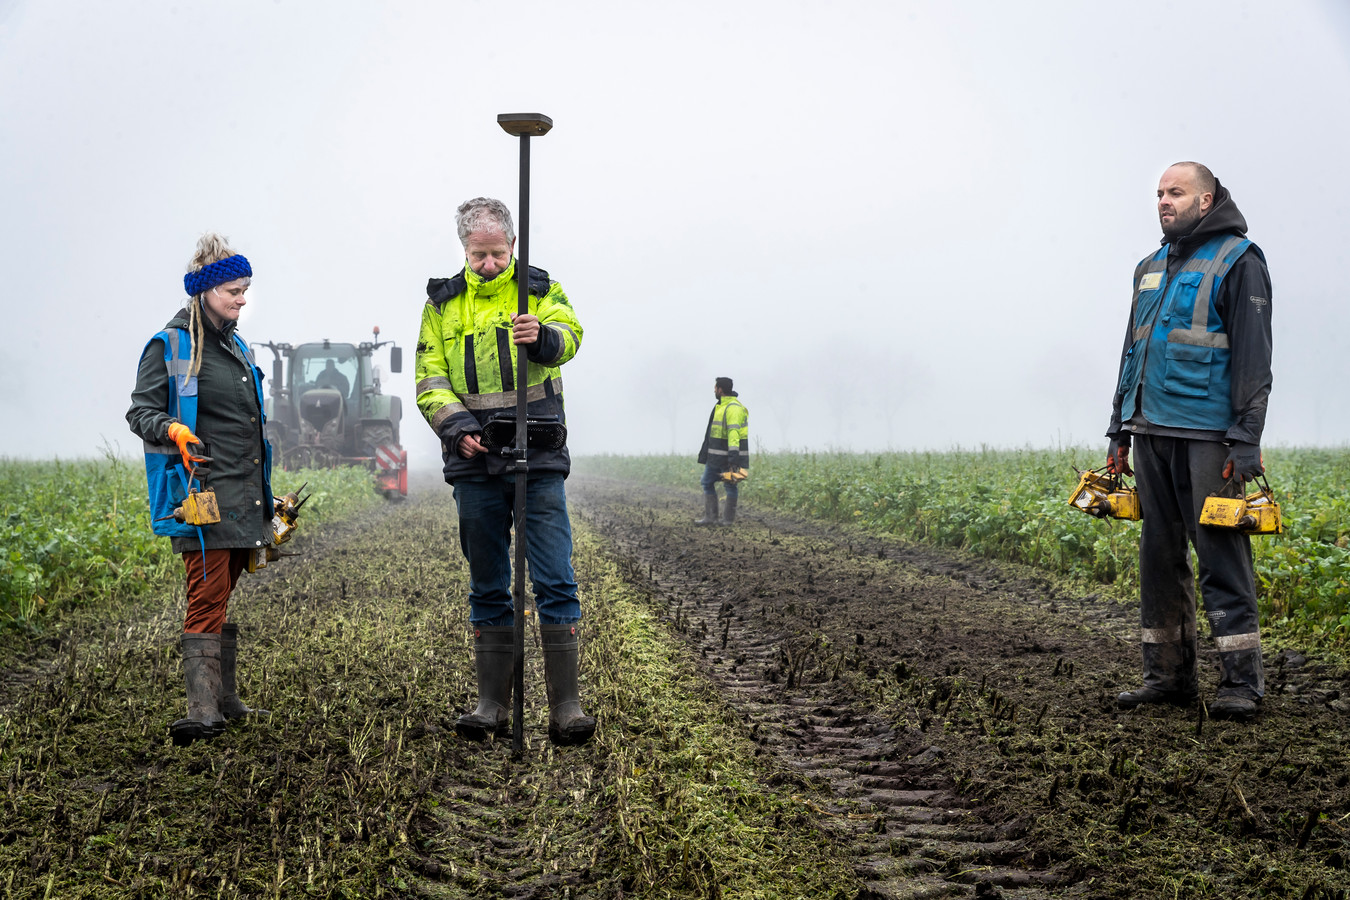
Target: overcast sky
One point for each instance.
(894, 224)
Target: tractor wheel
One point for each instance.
(377, 434)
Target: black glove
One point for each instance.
(1244, 461)
(1118, 455)
(734, 459)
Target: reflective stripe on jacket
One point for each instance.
(1177, 371)
(728, 429)
(466, 363)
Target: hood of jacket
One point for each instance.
(1223, 218)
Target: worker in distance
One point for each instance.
(725, 453)
(1191, 402)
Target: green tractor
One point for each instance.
(325, 409)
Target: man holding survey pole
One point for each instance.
(467, 375)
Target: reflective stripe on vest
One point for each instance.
(1178, 387)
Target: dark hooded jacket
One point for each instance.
(229, 423)
(1244, 307)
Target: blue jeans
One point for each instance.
(486, 509)
(712, 475)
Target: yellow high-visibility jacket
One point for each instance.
(466, 363)
(727, 439)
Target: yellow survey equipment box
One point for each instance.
(1256, 513)
(1105, 496)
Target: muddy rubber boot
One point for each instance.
(231, 707)
(567, 722)
(1169, 676)
(1242, 681)
(494, 656)
(709, 510)
(729, 513)
(201, 668)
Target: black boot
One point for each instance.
(201, 668)
(729, 512)
(709, 510)
(231, 707)
(567, 721)
(494, 656)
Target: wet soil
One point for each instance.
(958, 716)
(944, 725)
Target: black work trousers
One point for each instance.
(1174, 476)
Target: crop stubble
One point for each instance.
(961, 715)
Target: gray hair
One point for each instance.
(483, 214)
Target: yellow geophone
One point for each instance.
(286, 514)
(1105, 496)
(1256, 513)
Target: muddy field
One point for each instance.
(784, 711)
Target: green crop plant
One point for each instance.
(79, 530)
(1011, 505)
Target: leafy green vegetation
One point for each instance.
(1011, 505)
(76, 531)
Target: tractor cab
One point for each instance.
(325, 408)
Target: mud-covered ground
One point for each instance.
(961, 714)
(785, 711)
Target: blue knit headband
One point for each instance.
(227, 269)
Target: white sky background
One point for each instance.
(894, 224)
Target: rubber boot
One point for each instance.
(567, 721)
(1169, 675)
(709, 510)
(494, 656)
(201, 668)
(729, 512)
(231, 707)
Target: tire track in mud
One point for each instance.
(894, 805)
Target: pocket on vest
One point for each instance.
(1187, 371)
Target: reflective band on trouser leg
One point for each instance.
(1231, 642)
(1160, 635)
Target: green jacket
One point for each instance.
(229, 423)
(466, 363)
(727, 435)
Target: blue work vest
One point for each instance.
(165, 475)
(1180, 352)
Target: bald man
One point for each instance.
(1191, 401)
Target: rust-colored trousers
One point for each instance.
(209, 584)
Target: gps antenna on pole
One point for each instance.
(523, 126)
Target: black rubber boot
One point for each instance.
(709, 510)
(567, 721)
(231, 707)
(1145, 695)
(201, 668)
(494, 655)
(729, 512)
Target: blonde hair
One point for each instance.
(211, 248)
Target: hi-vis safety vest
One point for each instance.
(466, 362)
(165, 475)
(1178, 370)
(729, 429)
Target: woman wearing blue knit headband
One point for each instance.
(198, 406)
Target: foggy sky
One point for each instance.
(895, 224)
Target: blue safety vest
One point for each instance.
(165, 475)
(1180, 353)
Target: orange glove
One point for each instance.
(181, 435)
(1118, 458)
